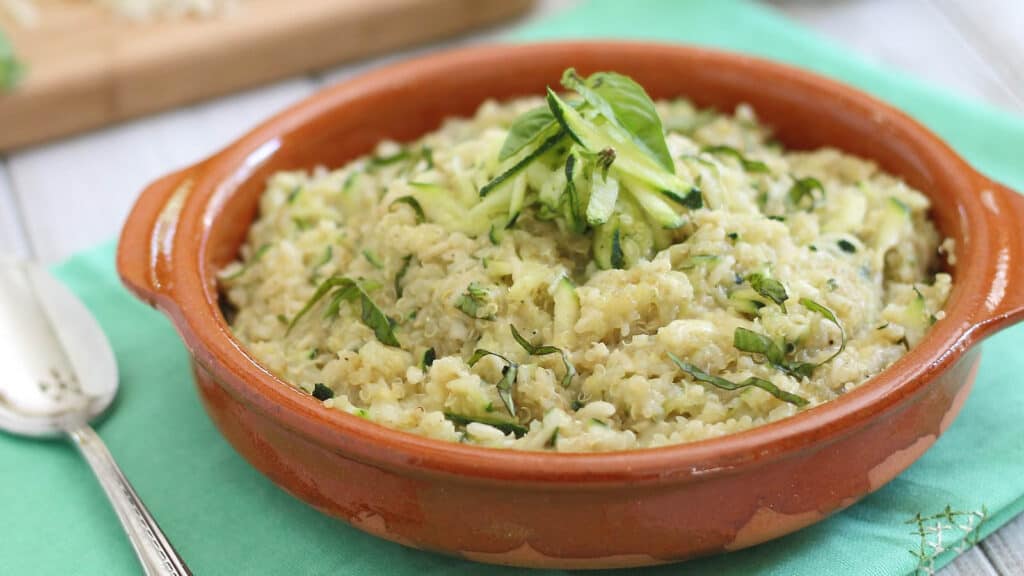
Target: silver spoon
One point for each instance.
(60, 374)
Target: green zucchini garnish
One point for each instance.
(804, 188)
(473, 300)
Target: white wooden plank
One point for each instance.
(971, 563)
(12, 235)
(993, 30)
(1005, 548)
(909, 35)
(75, 193)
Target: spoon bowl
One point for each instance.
(60, 370)
(60, 375)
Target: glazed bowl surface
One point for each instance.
(596, 510)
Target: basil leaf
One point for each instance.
(541, 350)
(506, 427)
(747, 164)
(507, 383)
(327, 257)
(415, 205)
(429, 355)
(701, 376)
(625, 103)
(769, 288)
(804, 188)
(321, 392)
(406, 261)
(754, 343)
(346, 289)
(694, 199)
(831, 317)
(472, 300)
(525, 129)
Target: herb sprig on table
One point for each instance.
(11, 70)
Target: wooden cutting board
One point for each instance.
(88, 67)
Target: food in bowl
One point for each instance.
(593, 271)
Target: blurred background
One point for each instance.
(99, 97)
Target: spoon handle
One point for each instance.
(155, 552)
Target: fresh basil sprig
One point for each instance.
(344, 289)
(701, 376)
(625, 103)
(541, 350)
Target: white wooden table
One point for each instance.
(68, 195)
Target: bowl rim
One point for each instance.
(191, 301)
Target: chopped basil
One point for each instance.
(348, 290)
(804, 188)
(249, 263)
(473, 300)
(406, 261)
(577, 404)
(846, 246)
(413, 203)
(429, 355)
(553, 440)
(597, 422)
(507, 427)
(747, 164)
(321, 392)
(769, 288)
(701, 376)
(314, 353)
(294, 194)
(541, 350)
(509, 373)
(694, 199)
(624, 103)
(754, 343)
(399, 156)
(327, 257)
(734, 236)
(831, 317)
(776, 218)
(373, 259)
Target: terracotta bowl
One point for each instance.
(575, 510)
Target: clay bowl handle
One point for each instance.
(1004, 303)
(144, 252)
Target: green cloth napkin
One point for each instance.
(226, 518)
(10, 68)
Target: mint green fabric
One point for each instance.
(226, 518)
(10, 68)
